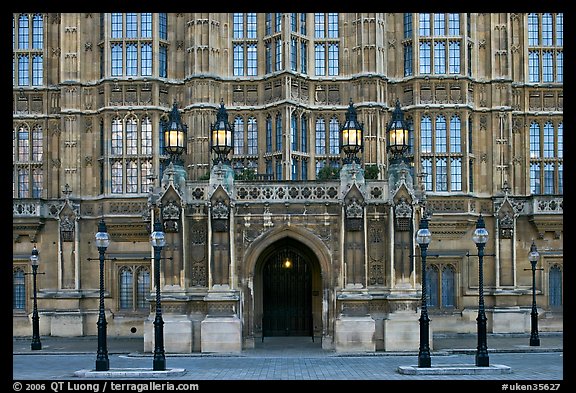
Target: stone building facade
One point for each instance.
(482, 94)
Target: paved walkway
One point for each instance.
(293, 359)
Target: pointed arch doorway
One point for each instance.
(290, 274)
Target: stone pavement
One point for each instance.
(291, 358)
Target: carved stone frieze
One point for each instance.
(126, 232)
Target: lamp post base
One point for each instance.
(534, 342)
(424, 361)
(159, 364)
(37, 345)
(102, 364)
(482, 360)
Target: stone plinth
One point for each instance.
(177, 334)
(510, 320)
(355, 334)
(401, 331)
(221, 334)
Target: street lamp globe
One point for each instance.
(34, 258)
(221, 142)
(102, 237)
(157, 237)
(398, 133)
(480, 236)
(351, 135)
(423, 236)
(534, 255)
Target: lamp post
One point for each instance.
(480, 237)
(221, 140)
(423, 238)
(36, 344)
(351, 136)
(158, 240)
(102, 242)
(398, 134)
(175, 136)
(533, 258)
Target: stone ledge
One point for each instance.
(454, 369)
(130, 373)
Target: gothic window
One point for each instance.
(278, 169)
(441, 283)
(294, 131)
(131, 155)
(334, 137)
(132, 45)
(278, 55)
(304, 170)
(545, 47)
(303, 57)
(133, 287)
(278, 132)
(268, 134)
(408, 59)
(252, 136)
(439, 43)
(555, 298)
(244, 43)
(432, 275)
(18, 290)
(546, 157)
(441, 153)
(293, 54)
(304, 134)
(238, 135)
(408, 26)
(126, 286)
(28, 164)
(28, 60)
(320, 136)
(326, 45)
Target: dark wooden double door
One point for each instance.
(287, 295)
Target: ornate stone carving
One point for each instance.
(506, 224)
(220, 215)
(403, 209)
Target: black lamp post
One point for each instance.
(533, 258)
(397, 134)
(158, 240)
(102, 242)
(351, 136)
(36, 344)
(221, 139)
(480, 237)
(175, 136)
(423, 238)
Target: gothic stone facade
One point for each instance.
(354, 282)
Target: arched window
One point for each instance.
(441, 286)
(133, 287)
(268, 134)
(126, 288)
(555, 287)
(252, 136)
(433, 290)
(320, 136)
(448, 291)
(143, 289)
(334, 142)
(18, 290)
(238, 135)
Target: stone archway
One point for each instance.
(286, 276)
(263, 261)
(288, 300)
